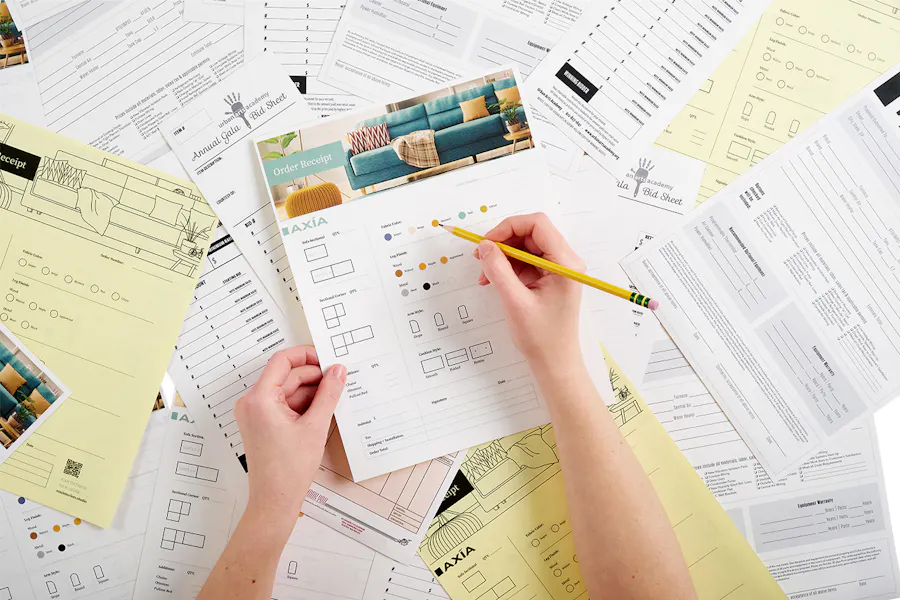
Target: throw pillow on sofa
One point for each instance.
(474, 109)
(166, 211)
(369, 138)
(10, 379)
(37, 403)
(509, 95)
(61, 173)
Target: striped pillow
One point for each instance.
(368, 138)
(380, 135)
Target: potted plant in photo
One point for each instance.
(508, 109)
(7, 37)
(283, 141)
(191, 233)
(22, 417)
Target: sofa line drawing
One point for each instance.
(133, 211)
(454, 139)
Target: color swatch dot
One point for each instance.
(398, 273)
(77, 521)
(41, 554)
(411, 229)
(461, 215)
(33, 535)
(387, 237)
(444, 260)
(483, 208)
(435, 223)
(56, 528)
(426, 287)
(422, 266)
(405, 293)
(61, 547)
(21, 500)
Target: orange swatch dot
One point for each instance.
(435, 223)
(483, 208)
(33, 535)
(398, 273)
(56, 528)
(444, 260)
(422, 266)
(77, 521)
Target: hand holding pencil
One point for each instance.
(542, 309)
(547, 264)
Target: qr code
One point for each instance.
(73, 467)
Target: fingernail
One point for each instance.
(485, 248)
(475, 253)
(340, 372)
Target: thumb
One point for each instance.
(321, 409)
(499, 272)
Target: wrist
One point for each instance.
(274, 519)
(559, 367)
(566, 384)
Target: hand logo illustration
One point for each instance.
(642, 174)
(237, 108)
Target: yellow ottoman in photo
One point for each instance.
(311, 199)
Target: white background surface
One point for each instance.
(887, 422)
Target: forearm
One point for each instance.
(246, 569)
(624, 540)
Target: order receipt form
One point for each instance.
(783, 290)
(628, 66)
(432, 367)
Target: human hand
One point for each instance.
(541, 308)
(284, 421)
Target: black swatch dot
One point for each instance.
(61, 547)
(427, 286)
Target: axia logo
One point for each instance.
(182, 417)
(454, 560)
(304, 225)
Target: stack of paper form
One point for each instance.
(777, 292)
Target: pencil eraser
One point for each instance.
(654, 304)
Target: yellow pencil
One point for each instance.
(552, 267)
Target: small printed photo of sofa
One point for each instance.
(447, 129)
(26, 391)
(12, 42)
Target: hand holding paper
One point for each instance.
(284, 421)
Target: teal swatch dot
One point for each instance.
(462, 215)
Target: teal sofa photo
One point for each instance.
(453, 138)
(9, 403)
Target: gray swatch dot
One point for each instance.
(41, 554)
(405, 293)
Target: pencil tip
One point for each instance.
(447, 227)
